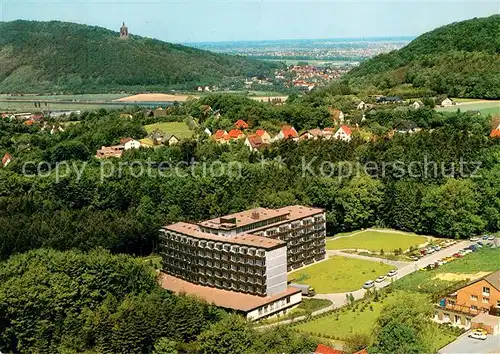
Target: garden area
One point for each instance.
(376, 241)
(359, 319)
(339, 274)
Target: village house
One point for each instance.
(220, 136)
(241, 124)
(313, 134)
(129, 143)
(170, 139)
(389, 99)
(6, 159)
(337, 115)
(109, 151)
(475, 305)
(344, 133)
(287, 133)
(361, 105)
(235, 134)
(126, 115)
(417, 105)
(159, 112)
(495, 133)
(406, 127)
(255, 143)
(447, 102)
(264, 135)
(328, 133)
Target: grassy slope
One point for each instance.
(179, 129)
(339, 274)
(375, 241)
(56, 56)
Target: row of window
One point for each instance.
(205, 265)
(272, 307)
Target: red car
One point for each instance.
(457, 255)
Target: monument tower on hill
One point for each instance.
(124, 31)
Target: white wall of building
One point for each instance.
(276, 268)
(278, 307)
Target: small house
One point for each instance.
(170, 140)
(264, 135)
(447, 102)
(254, 142)
(129, 143)
(6, 159)
(287, 133)
(344, 133)
(241, 124)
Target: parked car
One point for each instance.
(441, 262)
(392, 273)
(306, 290)
(491, 238)
(479, 244)
(478, 334)
(380, 279)
(437, 248)
(474, 239)
(485, 237)
(414, 258)
(369, 284)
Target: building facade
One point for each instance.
(473, 305)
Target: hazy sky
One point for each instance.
(223, 20)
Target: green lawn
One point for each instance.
(375, 241)
(490, 107)
(339, 274)
(427, 281)
(179, 129)
(362, 320)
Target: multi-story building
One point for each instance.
(248, 252)
(477, 304)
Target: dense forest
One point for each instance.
(59, 56)
(85, 205)
(460, 60)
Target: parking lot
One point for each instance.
(464, 345)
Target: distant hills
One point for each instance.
(60, 56)
(460, 60)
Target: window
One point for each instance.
(486, 291)
(288, 300)
(486, 300)
(473, 307)
(473, 297)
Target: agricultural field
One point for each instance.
(339, 274)
(361, 320)
(107, 97)
(179, 129)
(485, 107)
(472, 266)
(21, 106)
(375, 240)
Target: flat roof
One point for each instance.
(487, 319)
(243, 218)
(222, 298)
(193, 230)
(251, 216)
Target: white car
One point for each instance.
(369, 284)
(474, 239)
(380, 279)
(477, 335)
(392, 273)
(491, 238)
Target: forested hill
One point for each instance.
(61, 56)
(461, 60)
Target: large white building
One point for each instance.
(243, 256)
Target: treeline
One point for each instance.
(97, 302)
(460, 60)
(54, 56)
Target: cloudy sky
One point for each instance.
(223, 20)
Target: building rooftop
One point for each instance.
(222, 298)
(244, 239)
(242, 218)
(487, 319)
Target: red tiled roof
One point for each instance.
(260, 132)
(222, 298)
(219, 134)
(241, 124)
(323, 349)
(346, 129)
(255, 141)
(495, 133)
(125, 140)
(6, 158)
(289, 132)
(235, 133)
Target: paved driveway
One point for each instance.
(466, 345)
(339, 299)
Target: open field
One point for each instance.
(179, 129)
(485, 107)
(339, 274)
(375, 240)
(345, 323)
(155, 97)
(19, 106)
(101, 97)
(437, 280)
